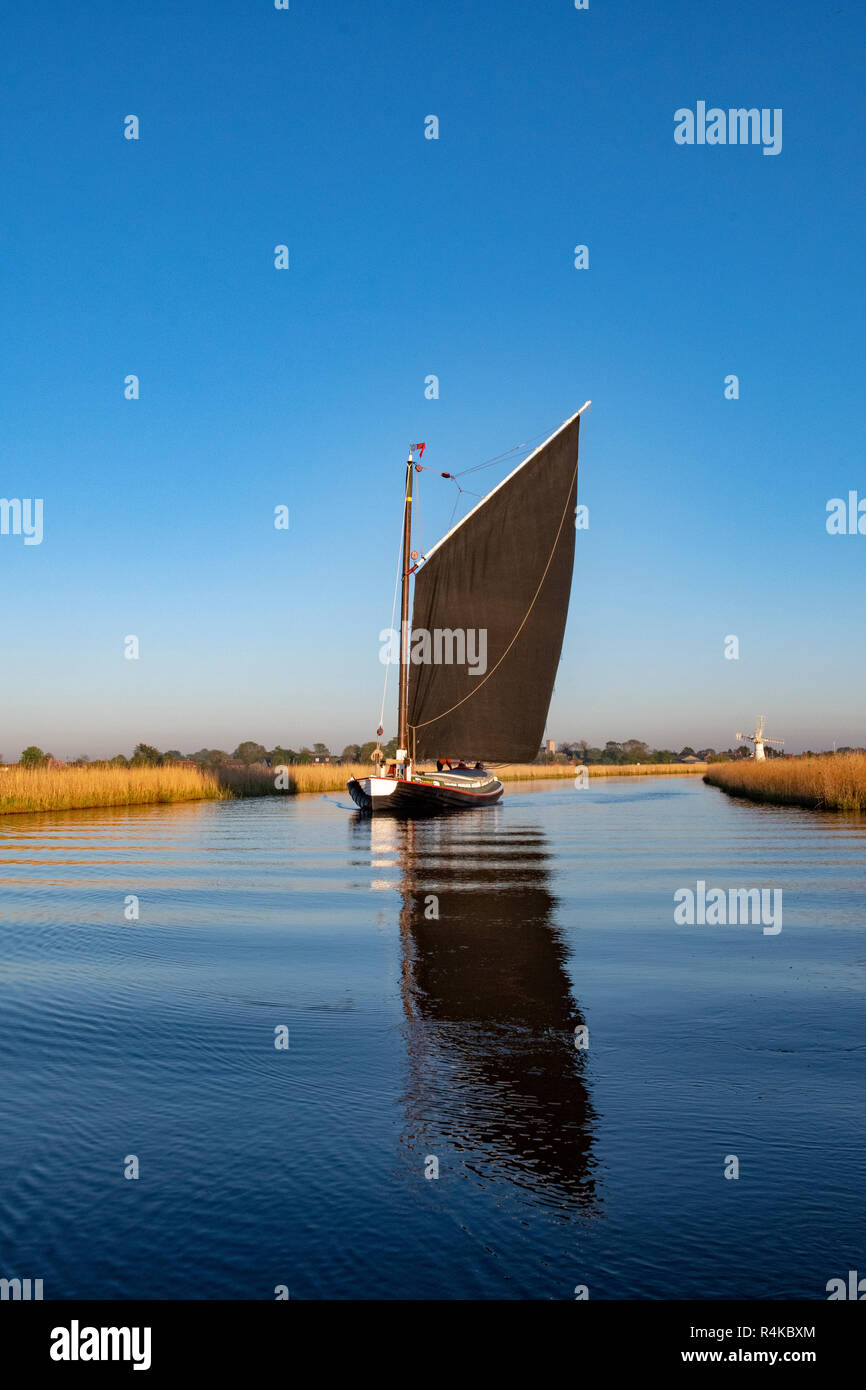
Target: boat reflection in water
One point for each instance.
(496, 1083)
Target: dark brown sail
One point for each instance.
(504, 571)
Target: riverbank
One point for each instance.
(78, 788)
(328, 777)
(531, 772)
(836, 782)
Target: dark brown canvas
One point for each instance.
(506, 568)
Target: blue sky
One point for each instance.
(412, 257)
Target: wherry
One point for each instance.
(495, 590)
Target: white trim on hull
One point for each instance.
(378, 789)
(425, 794)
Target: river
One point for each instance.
(502, 997)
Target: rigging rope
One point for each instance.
(488, 463)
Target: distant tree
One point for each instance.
(119, 761)
(706, 753)
(217, 757)
(390, 748)
(351, 753)
(321, 751)
(282, 757)
(365, 752)
(635, 751)
(687, 752)
(250, 752)
(83, 761)
(173, 756)
(144, 755)
(305, 755)
(34, 757)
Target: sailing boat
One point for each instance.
(488, 617)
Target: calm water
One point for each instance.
(413, 1036)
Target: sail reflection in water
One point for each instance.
(496, 1083)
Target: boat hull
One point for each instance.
(396, 796)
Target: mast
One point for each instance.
(402, 718)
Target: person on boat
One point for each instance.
(442, 763)
(479, 767)
(460, 765)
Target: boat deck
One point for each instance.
(467, 779)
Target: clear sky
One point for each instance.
(411, 257)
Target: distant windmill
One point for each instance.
(759, 739)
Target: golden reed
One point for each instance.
(836, 782)
(527, 772)
(327, 777)
(73, 788)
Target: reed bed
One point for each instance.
(76, 788)
(330, 777)
(325, 777)
(836, 782)
(531, 772)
